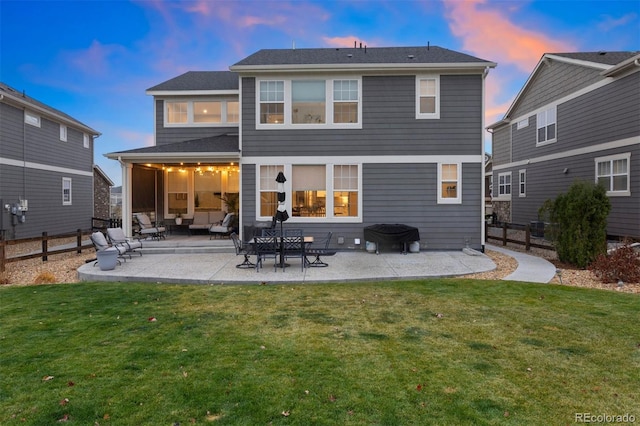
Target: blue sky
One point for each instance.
(94, 59)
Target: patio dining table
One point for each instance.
(280, 248)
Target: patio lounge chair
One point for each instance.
(100, 243)
(322, 249)
(224, 228)
(200, 221)
(244, 249)
(147, 229)
(117, 237)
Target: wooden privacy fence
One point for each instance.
(504, 238)
(45, 252)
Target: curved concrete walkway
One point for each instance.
(530, 268)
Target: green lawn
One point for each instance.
(441, 351)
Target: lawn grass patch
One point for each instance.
(441, 351)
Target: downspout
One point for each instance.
(483, 236)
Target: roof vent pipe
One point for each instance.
(365, 48)
(428, 45)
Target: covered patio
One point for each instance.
(176, 180)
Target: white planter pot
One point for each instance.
(178, 221)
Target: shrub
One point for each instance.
(623, 264)
(579, 220)
(45, 278)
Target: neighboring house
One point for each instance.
(577, 117)
(363, 136)
(46, 165)
(116, 202)
(488, 183)
(101, 194)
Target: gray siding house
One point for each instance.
(363, 135)
(576, 118)
(46, 168)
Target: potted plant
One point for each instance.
(178, 218)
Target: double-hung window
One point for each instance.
(522, 192)
(176, 112)
(272, 102)
(269, 189)
(66, 191)
(345, 101)
(504, 185)
(449, 191)
(428, 97)
(345, 190)
(546, 125)
(612, 172)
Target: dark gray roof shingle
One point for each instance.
(200, 80)
(607, 58)
(24, 98)
(364, 55)
(221, 143)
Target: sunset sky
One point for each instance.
(94, 60)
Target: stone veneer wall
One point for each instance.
(503, 210)
(101, 197)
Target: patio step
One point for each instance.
(187, 250)
(186, 245)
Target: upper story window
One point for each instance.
(86, 140)
(63, 133)
(428, 97)
(546, 125)
(271, 102)
(308, 103)
(613, 173)
(449, 183)
(345, 101)
(32, 119)
(200, 113)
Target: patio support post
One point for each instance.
(127, 213)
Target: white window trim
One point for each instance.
(86, 140)
(458, 198)
(190, 122)
(32, 119)
(63, 133)
(522, 180)
(70, 201)
(330, 218)
(503, 197)
(544, 111)
(287, 124)
(428, 116)
(611, 158)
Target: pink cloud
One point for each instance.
(96, 59)
(489, 32)
(609, 23)
(346, 41)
